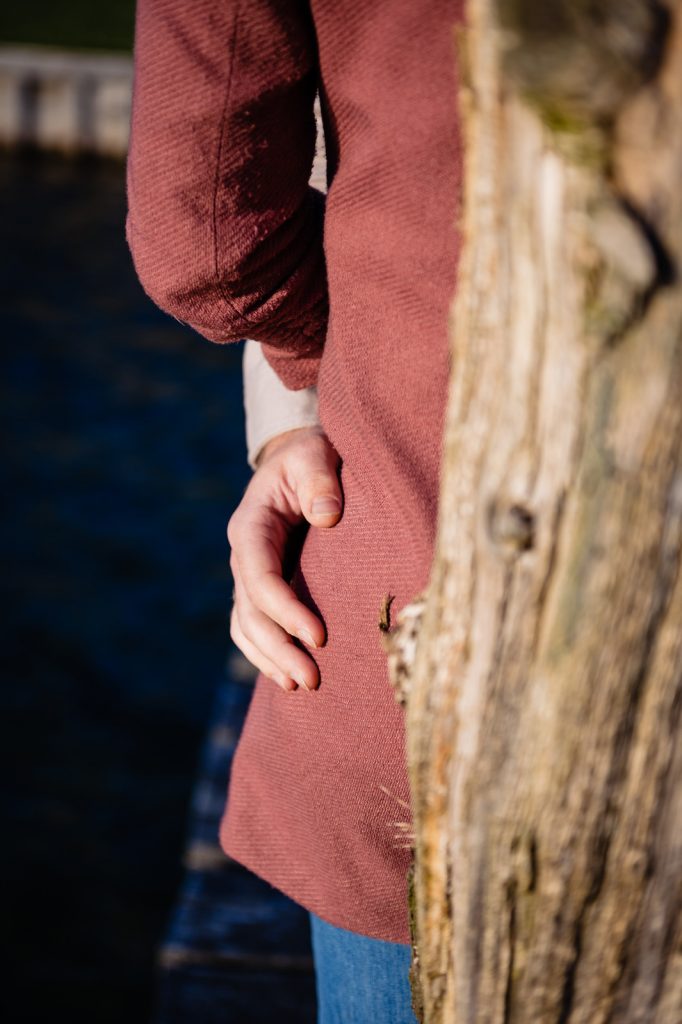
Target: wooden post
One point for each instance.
(544, 701)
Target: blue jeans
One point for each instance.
(359, 980)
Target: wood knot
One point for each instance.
(511, 527)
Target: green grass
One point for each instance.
(71, 24)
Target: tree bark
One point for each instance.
(543, 706)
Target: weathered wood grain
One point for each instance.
(543, 708)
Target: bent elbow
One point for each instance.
(177, 286)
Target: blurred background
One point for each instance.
(123, 457)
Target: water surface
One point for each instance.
(123, 456)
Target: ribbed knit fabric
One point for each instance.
(227, 235)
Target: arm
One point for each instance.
(295, 461)
(224, 229)
(269, 406)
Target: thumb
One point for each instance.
(319, 489)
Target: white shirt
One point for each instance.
(269, 406)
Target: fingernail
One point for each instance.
(306, 637)
(326, 506)
(301, 680)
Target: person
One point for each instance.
(350, 294)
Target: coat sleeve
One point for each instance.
(224, 230)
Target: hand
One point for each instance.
(296, 479)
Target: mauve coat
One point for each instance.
(351, 294)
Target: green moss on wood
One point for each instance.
(579, 62)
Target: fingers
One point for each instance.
(256, 657)
(297, 477)
(270, 644)
(256, 561)
(316, 481)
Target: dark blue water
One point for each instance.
(123, 457)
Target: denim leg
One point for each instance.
(359, 980)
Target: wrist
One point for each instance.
(279, 440)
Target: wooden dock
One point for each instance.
(236, 949)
